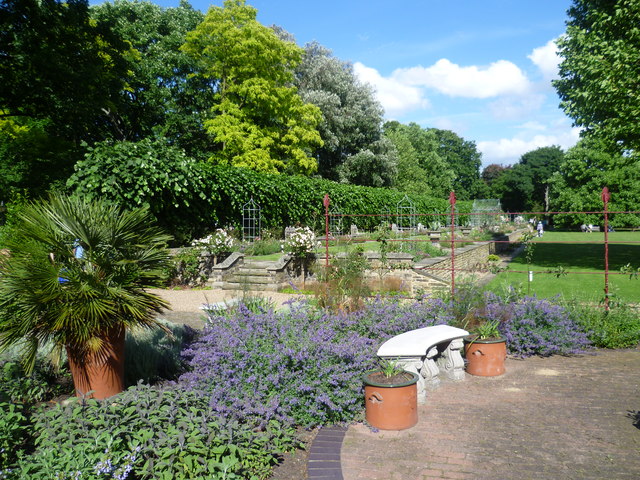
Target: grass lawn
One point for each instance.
(577, 252)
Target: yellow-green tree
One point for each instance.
(259, 120)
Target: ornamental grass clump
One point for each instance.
(304, 366)
(534, 326)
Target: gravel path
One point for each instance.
(185, 304)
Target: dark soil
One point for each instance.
(382, 379)
(294, 464)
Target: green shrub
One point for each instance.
(617, 328)
(13, 434)
(150, 434)
(148, 173)
(44, 383)
(185, 268)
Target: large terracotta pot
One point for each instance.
(102, 373)
(391, 404)
(485, 357)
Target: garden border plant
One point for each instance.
(81, 302)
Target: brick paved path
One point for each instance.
(550, 418)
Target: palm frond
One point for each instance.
(46, 293)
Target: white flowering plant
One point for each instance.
(300, 242)
(216, 243)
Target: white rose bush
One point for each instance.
(216, 243)
(300, 243)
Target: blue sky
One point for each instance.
(482, 68)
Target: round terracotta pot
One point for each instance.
(391, 406)
(101, 373)
(485, 357)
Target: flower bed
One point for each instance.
(255, 375)
(303, 366)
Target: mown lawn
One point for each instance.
(577, 253)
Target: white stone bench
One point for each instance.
(426, 351)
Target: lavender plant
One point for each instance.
(302, 366)
(534, 326)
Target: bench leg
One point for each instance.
(430, 370)
(414, 365)
(451, 361)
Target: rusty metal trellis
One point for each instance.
(453, 213)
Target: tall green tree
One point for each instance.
(587, 169)
(600, 69)
(58, 64)
(259, 121)
(464, 159)
(517, 188)
(420, 167)
(164, 97)
(375, 166)
(543, 162)
(61, 76)
(525, 186)
(493, 176)
(351, 116)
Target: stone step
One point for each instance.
(243, 286)
(258, 265)
(249, 279)
(259, 272)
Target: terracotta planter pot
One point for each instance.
(102, 373)
(391, 406)
(485, 357)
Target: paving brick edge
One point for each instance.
(324, 462)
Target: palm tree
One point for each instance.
(82, 302)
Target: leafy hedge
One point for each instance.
(287, 200)
(191, 198)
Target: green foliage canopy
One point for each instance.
(38, 41)
(259, 121)
(420, 167)
(578, 184)
(464, 159)
(525, 185)
(600, 68)
(163, 96)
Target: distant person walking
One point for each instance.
(540, 229)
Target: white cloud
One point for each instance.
(546, 59)
(509, 150)
(395, 97)
(510, 108)
(499, 78)
(532, 125)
